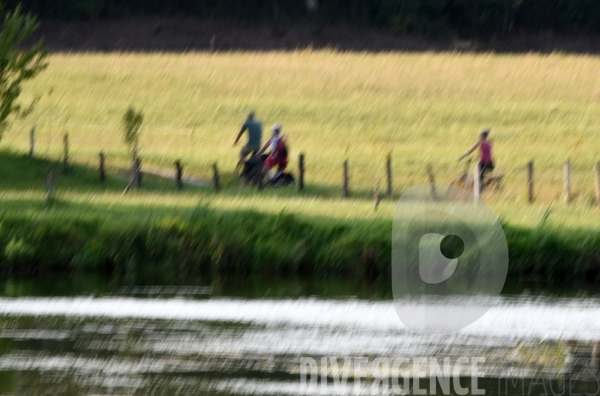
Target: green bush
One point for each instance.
(18, 251)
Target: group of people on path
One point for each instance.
(278, 155)
(276, 144)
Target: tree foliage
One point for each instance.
(445, 18)
(132, 122)
(18, 63)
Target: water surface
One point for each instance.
(125, 339)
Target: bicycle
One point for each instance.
(466, 179)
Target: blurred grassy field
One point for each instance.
(422, 108)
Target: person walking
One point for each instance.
(278, 154)
(253, 145)
(486, 163)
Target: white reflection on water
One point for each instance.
(509, 317)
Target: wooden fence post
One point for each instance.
(597, 173)
(567, 176)
(178, 173)
(261, 181)
(432, 181)
(216, 180)
(137, 173)
(376, 196)
(389, 175)
(49, 187)
(477, 183)
(32, 143)
(102, 171)
(530, 181)
(301, 172)
(345, 192)
(66, 152)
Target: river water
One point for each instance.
(203, 341)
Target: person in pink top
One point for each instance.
(486, 162)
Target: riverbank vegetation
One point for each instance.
(86, 228)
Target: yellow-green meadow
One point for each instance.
(424, 108)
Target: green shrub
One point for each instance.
(244, 243)
(17, 251)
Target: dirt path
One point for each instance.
(186, 180)
(164, 174)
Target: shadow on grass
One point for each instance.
(21, 173)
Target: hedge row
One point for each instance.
(247, 243)
(465, 18)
